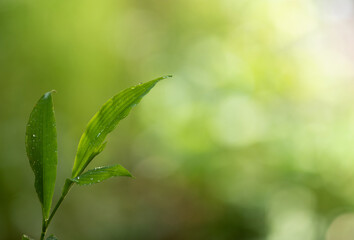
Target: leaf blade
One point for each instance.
(41, 147)
(100, 174)
(104, 122)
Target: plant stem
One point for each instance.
(44, 229)
(68, 184)
(55, 209)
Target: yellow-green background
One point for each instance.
(252, 139)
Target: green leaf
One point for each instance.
(101, 173)
(52, 237)
(25, 237)
(105, 120)
(41, 146)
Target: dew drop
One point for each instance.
(34, 135)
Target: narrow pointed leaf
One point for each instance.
(101, 173)
(41, 146)
(25, 237)
(105, 120)
(52, 237)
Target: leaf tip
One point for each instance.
(49, 94)
(166, 76)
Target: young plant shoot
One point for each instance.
(41, 147)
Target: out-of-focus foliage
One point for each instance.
(253, 137)
(25, 237)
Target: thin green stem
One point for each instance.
(68, 184)
(55, 209)
(44, 229)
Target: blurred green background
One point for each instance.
(252, 139)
